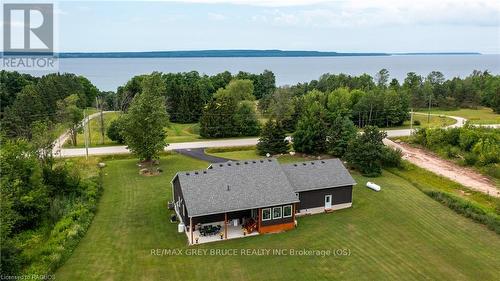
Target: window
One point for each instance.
(277, 213)
(287, 211)
(266, 214)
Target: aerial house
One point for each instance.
(250, 197)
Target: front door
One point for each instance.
(328, 201)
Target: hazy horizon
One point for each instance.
(362, 26)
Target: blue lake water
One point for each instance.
(109, 73)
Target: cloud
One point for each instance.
(60, 12)
(216, 17)
(386, 12)
(263, 3)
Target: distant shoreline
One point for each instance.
(238, 54)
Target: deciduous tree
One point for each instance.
(146, 119)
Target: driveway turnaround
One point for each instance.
(199, 153)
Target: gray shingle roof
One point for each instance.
(318, 174)
(252, 184)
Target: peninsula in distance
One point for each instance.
(235, 53)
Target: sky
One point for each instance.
(345, 26)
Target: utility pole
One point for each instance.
(411, 121)
(85, 134)
(99, 106)
(429, 114)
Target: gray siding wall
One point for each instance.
(316, 198)
(176, 195)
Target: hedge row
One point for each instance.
(68, 231)
(467, 209)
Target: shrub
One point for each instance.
(420, 137)
(416, 123)
(492, 170)
(114, 131)
(68, 231)
(470, 159)
(391, 157)
(451, 151)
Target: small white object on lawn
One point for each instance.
(373, 186)
(180, 227)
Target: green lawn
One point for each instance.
(482, 115)
(398, 233)
(247, 154)
(435, 121)
(183, 132)
(176, 132)
(95, 132)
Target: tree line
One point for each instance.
(51, 99)
(188, 93)
(480, 88)
(191, 97)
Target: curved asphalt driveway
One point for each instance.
(105, 150)
(199, 153)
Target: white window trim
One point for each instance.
(291, 211)
(281, 213)
(270, 214)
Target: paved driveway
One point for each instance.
(199, 153)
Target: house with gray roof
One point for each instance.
(257, 196)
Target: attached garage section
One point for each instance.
(341, 197)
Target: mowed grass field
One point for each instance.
(396, 234)
(434, 122)
(176, 132)
(95, 131)
(482, 115)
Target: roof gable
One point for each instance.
(318, 174)
(235, 185)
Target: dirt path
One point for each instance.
(61, 140)
(465, 176)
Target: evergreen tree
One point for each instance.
(272, 139)
(341, 131)
(310, 136)
(245, 119)
(365, 152)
